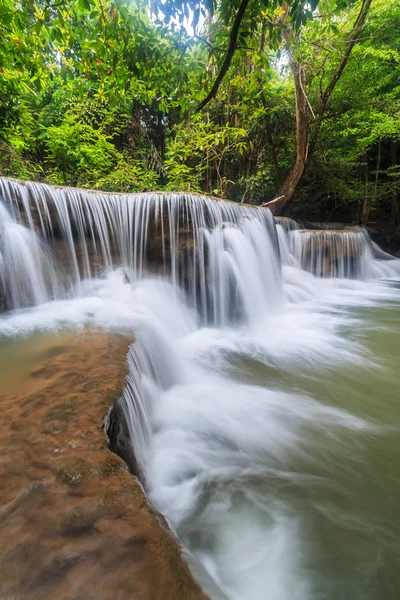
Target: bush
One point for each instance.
(77, 153)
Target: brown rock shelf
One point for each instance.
(74, 523)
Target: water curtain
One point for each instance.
(220, 253)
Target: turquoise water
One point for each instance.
(343, 493)
(274, 450)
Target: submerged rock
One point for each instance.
(74, 523)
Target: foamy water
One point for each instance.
(261, 400)
(240, 469)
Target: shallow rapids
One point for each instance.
(262, 400)
(277, 465)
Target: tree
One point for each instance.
(305, 144)
(285, 21)
(351, 163)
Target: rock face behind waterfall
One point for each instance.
(334, 253)
(74, 524)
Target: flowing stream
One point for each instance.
(262, 396)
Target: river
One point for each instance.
(263, 409)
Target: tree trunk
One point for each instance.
(394, 217)
(304, 150)
(288, 187)
(270, 140)
(274, 156)
(365, 208)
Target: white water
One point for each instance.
(27, 269)
(230, 445)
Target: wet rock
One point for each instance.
(119, 438)
(74, 523)
(332, 253)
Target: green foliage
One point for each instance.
(103, 94)
(128, 177)
(199, 147)
(353, 159)
(77, 152)
(14, 164)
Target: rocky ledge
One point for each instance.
(74, 523)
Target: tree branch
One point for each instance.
(229, 55)
(355, 32)
(306, 97)
(357, 27)
(205, 41)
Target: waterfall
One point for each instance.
(203, 246)
(227, 257)
(328, 253)
(286, 223)
(28, 273)
(217, 296)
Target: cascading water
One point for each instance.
(27, 270)
(286, 223)
(201, 244)
(237, 398)
(344, 254)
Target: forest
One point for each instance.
(255, 101)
